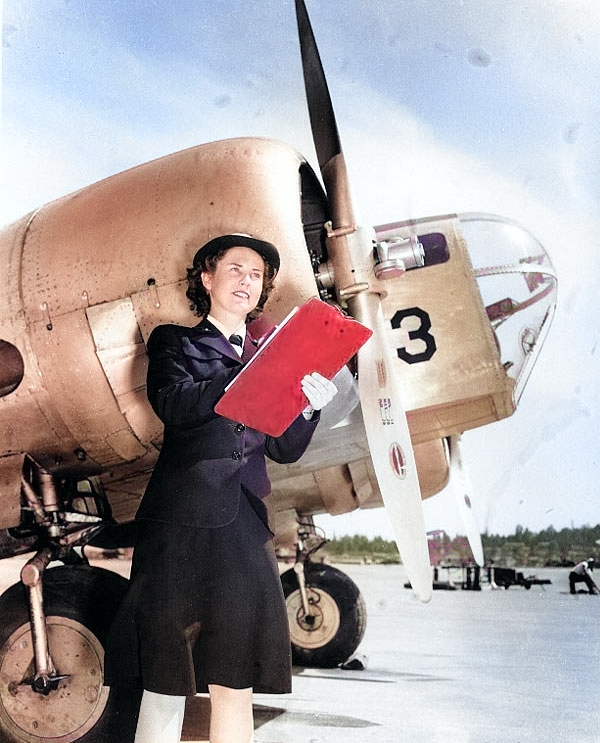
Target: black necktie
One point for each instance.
(236, 340)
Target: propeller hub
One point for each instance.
(351, 257)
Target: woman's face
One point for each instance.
(236, 284)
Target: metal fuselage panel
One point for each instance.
(447, 358)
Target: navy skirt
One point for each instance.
(204, 606)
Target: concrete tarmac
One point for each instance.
(492, 666)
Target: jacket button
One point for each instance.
(236, 455)
(240, 428)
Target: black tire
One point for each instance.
(332, 634)
(80, 603)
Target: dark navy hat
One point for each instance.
(265, 249)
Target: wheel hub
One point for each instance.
(78, 699)
(320, 626)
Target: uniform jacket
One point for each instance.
(206, 459)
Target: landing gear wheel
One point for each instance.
(336, 624)
(79, 603)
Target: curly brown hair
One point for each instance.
(200, 298)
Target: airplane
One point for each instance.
(459, 306)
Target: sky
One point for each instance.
(443, 106)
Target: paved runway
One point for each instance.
(514, 666)
(503, 666)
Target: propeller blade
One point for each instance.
(390, 445)
(320, 108)
(323, 125)
(349, 253)
(461, 483)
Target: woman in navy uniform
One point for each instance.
(205, 609)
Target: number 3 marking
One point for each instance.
(420, 334)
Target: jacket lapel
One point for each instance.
(207, 335)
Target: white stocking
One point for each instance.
(231, 715)
(160, 719)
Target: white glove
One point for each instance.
(318, 390)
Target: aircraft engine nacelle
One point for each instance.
(87, 277)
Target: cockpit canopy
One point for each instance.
(518, 286)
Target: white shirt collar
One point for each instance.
(241, 331)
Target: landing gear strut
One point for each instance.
(55, 623)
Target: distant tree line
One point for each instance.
(361, 547)
(548, 547)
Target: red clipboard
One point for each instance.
(266, 394)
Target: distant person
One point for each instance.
(582, 573)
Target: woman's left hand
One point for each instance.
(319, 391)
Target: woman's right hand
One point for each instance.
(319, 391)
